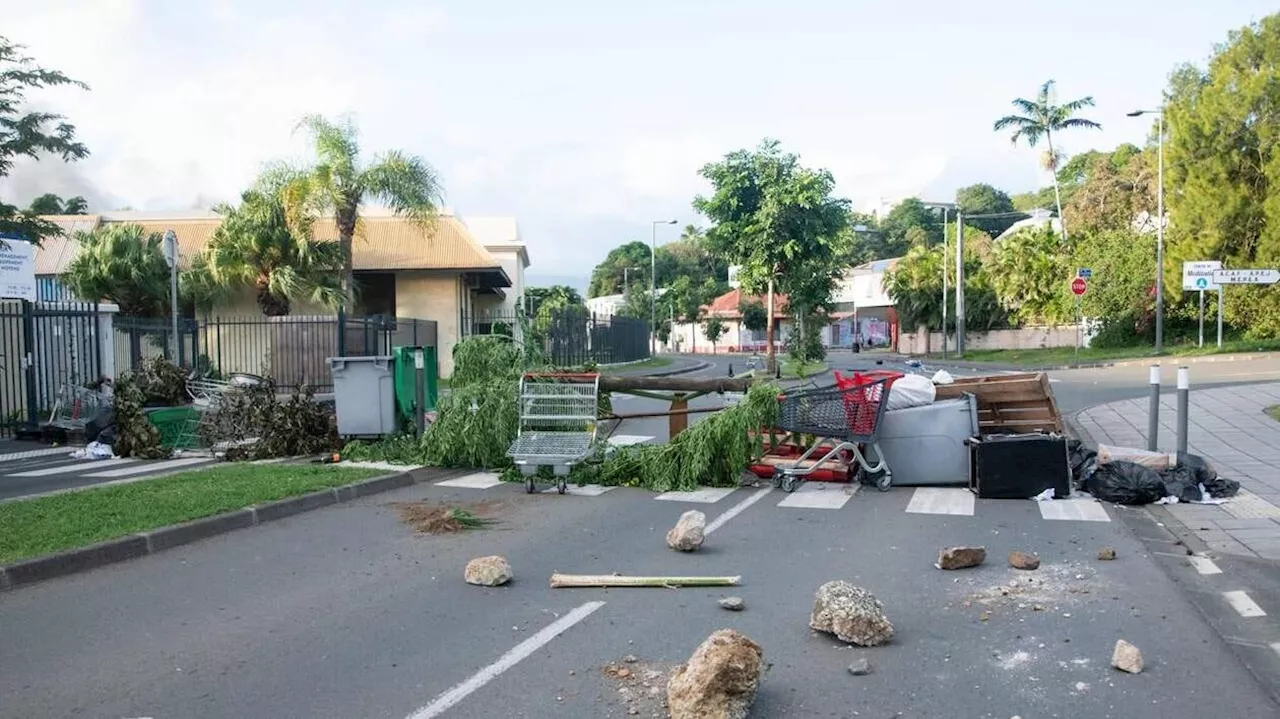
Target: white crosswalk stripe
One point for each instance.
(33, 453)
(73, 467)
(147, 467)
(586, 490)
(1077, 509)
(479, 480)
(706, 495)
(942, 500)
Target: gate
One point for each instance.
(44, 346)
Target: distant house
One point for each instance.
(690, 337)
(863, 307)
(1038, 218)
(402, 271)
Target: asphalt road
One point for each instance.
(33, 468)
(346, 612)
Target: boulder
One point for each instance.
(851, 613)
(961, 557)
(1126, 657)
(1107, 554)
(1024, 561)
(689, 532)
(719, 681)
(490, 571)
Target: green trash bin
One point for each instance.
(404, 379)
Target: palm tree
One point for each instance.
(124, 265)
(255, 247)
(339, 182)
(1041, 118)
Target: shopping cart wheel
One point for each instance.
(777, 478)
(884, 481)
(529, 485)
(788, 483)
(561, 485)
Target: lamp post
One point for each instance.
(653, 287)
(946, 207)
(1159, 223)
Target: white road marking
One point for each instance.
(1074, 510)
(586, 490)
(735, 510)
(1276, 648)
(941, 500)
(390, 466)
(479, 480)
(521, 651)
(1243, 604)
(819, 495)
(706, 495)
(73, 467)
(15, 456)
(625, 440)
(1204, 565)
(150, 467)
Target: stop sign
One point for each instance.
(1078, 286)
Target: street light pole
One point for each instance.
(653, 287)
(944, 282)
(1159, 222)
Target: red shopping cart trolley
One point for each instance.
(842, 418)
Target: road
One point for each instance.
(347, 612)
(32, 468)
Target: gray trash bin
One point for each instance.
(364, 395)
(926, 445)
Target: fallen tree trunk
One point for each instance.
(613, 580)
(612, 383)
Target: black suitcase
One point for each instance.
(1019, 466)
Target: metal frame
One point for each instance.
(800, 413)
(557, 426)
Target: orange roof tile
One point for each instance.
(726, 305)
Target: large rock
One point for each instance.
(488, 571)
(1024, 561)
(961, 557)
(1126, 657)
(689, 532)
(719, 681)
(851, 613)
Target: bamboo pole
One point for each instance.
(614, 580)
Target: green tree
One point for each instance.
(51, 204)
(1038, 200)
(1031, 275)
(754, 316)
(714, 328)
(255, 247)
(915, 284)
(630, 261)
(1113, 190)
(777, 221)
(1121, 296)
(983, 199)
(1223, 124)
(339, 182)
(1041, 118)
(30, 133)
(897, 228)
(124, 265)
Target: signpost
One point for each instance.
(17, 268)
(171, 258)
(1223, 278)
(1199, 276)
(1079, 286)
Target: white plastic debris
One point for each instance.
(1167, 500)
(93, 450)
(943, 377)
(1045, 496)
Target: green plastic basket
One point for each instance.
(173, 423)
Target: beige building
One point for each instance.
(403, 271)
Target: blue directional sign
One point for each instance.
(1084, 272)
(1202, 283)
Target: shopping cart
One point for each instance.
(75, 406)
(841, 418)
(558, 414)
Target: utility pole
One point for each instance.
(959, 284)
(171, 257)
(944, 282)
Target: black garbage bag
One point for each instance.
(1182, 482)
(1083, 461)
(1125, 483)
(102, 420)
(1221, 488)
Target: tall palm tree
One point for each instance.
(1041, 118)
(121, 264)
(340, 181)
(255, 247)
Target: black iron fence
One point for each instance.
(570, 336)
(43, 347)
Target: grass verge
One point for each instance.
(1057, 356)
(651, 363)
(797, 370)
(1274, 412)
(34, 527)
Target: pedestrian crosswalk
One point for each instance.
(32, 472)
(937, 501)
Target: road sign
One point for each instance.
(1199, 275)
(1079, 286)
(17, 268)
(1246, 277)
(1085, 272)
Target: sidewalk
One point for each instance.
(1228, 427)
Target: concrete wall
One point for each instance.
(433, 296)
(916, 343)
(686, 337)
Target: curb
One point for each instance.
(151, 541)
(1132, 362)
(697, 367)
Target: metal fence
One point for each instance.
(291, 350)
(571, 336)
(44, 346)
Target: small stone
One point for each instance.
(1024, 561)
(861, 667)
(1126, 657)
(623, 673)
(689, 532)
(984, 616)
(1107, 554)
(961, 557)
(572, 672)
(491, 571)
(633, 711)
(630, 659)
(733, 604)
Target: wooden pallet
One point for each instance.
(1009, 403)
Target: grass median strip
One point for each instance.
(49, 524)
(1056, 356)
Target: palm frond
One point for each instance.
(1079, 122)
(1070, 108)
(406, 183)
(1046, 92)
(336, 143)
(1028, 108)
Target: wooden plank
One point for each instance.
(1023, 404)
(832, 464)
(1043, 412)
(1021, 424)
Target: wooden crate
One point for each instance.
(1009, 403)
